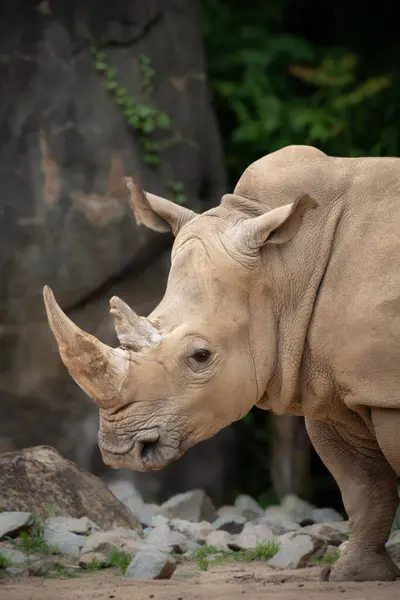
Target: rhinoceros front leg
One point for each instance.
(368, 487)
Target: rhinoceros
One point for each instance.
(286, 296)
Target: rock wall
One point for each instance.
(64, 217)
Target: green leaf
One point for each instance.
(148, 126)
(152, 159)
(111, 73)
(163, 120)
(100, 66)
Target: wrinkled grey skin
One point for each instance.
(286, 296)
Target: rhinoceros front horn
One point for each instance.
(99, 370)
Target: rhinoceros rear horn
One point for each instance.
(133, 331)
(97, 368)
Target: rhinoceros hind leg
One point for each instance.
(368, 486)
(387, 430)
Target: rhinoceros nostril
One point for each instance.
(147, 450)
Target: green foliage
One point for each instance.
(119, 560)
(33, 541)
(4, 562)
(176, 188)
(209, 556)
(59, 570)
(328, 559)
(93, 565)
(272, 88)
(144, 118)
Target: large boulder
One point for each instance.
(64, 214)
(40, 481)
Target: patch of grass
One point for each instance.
(4, 562)
(208, 556)
(60, 570)
(328, 559)
(119, 559)
(94, 565)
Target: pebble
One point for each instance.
(294, 551)
(151, 564)
(231, 524)
(251, 536)
(220, 539)
(13, 522)
(164, 539)
(192, 506)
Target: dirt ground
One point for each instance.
(226, 582)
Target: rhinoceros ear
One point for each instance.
(155, 212)
(276, 226)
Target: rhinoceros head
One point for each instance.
(205, 355)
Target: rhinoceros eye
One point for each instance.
(201, 356)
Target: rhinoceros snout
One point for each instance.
(150, 450)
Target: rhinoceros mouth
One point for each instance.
(149, 450)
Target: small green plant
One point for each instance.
(33, 540)
(120, 560)
(60, 570)
(176, 188)
(328, 559)
(94, 565)
(4, 562)
(263, 551)
(143, 118)
(208, 556)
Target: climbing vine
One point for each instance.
(142, 116)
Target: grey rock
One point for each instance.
(231, 524)
(40, 566)
(192, 506)
(62, 540)
(229, 511)
(278, 522)
(248, 506)
(151, 564)
(15, 571)
(164, 539)
(298, 509)
(251, 536)
(116, 539)
(88, 559)
(12, 522)
(325, 515)
(197, 532)
(159, 520)
(294, 551)
(15, 557)
(220, 539)
(332, 533)
(127, 493)
(80, 526)
(35, 478)
(191, 547)
(155, 509)
(393, 546)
